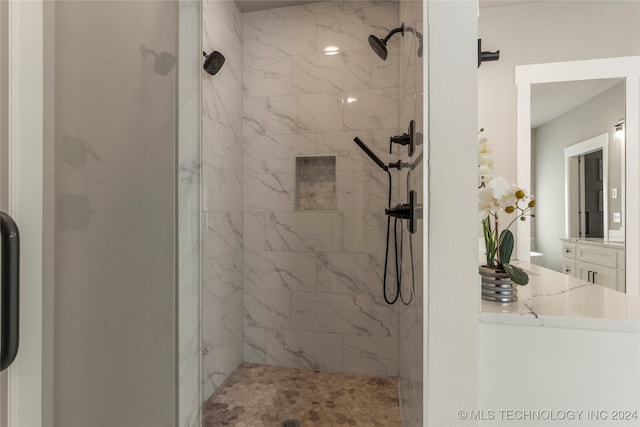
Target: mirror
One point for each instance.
(577, 161)
(571, 116)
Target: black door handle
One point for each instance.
(10, 283)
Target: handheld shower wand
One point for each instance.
(371, 154)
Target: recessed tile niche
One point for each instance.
(316, 183)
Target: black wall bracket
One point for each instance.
(486, 55)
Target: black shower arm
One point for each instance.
(394, 31)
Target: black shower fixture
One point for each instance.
(371, 154)
(213, 62)
(486, 55)
(379, 46)
(405, 139)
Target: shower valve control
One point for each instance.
(405, 139)
(410, 211)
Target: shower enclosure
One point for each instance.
(294, 221)
(99, 166)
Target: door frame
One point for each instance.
(25, 201)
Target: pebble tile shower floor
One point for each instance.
(259, 395)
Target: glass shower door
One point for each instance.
(91, 174)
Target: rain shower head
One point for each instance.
(213, 62)
(379, 46)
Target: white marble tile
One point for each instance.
(267, 308)
(254, 117)
(318, 72)
(221, 278)
(276, 153)
(254, 231)
(362, 191)
(371, 355)
(337, 313)
(269, 192)
(221, 147)
(279, 37)
(222, 102)
(374, 109)
(385, 74)
(266, 77)
(255, 345)
(364, 232)
(222, 234)
(222, 361)
(304, 113)
(304, 232)
(350, 29)
(221, 321)
(351, 273)
(279, 270)
(307, 350)
(222, 189)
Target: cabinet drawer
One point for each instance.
(569, 250)
(597, 255)
(569, 267)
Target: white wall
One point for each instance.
(555, 369)
(451, 271)
(540, 32)
(595, 117)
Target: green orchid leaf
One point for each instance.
(506, 246)
(516, 274)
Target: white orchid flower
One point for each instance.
(503, 191)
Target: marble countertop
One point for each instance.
(591, 241)
(553, 299)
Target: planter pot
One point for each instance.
(497, 286)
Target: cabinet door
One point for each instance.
(583, 271)
(597, 274)
(569, 267)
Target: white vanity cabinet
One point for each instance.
(595, 262)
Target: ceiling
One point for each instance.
(253, 5)
(550, 100)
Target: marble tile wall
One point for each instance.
(411, 316)
(221, 197)
(313, 279)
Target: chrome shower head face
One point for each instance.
(379, 47)
(213, 62)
